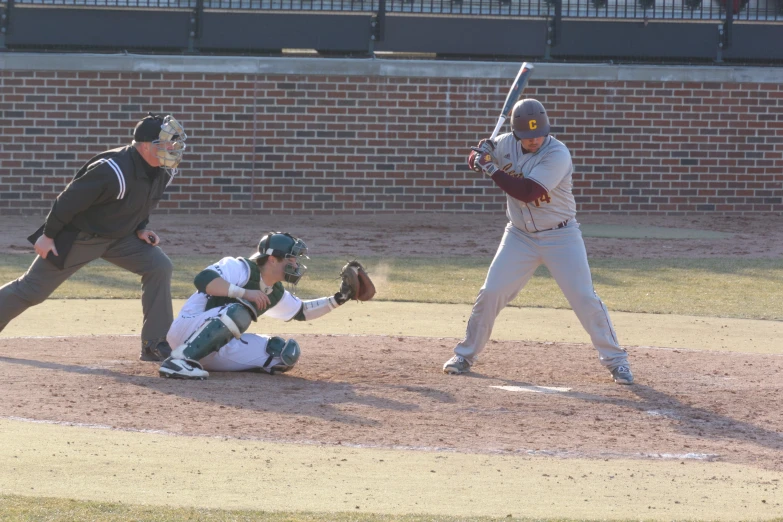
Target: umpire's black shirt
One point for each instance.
(111, 196)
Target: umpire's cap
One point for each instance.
(148, 129)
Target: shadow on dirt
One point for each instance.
(287, 394)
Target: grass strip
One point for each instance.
(715, 287)
(16, 508)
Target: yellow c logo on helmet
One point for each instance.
(533, 124)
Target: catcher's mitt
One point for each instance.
(356, 282)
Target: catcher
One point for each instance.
(209, 333)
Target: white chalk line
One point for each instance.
(563, 454)
(65, 336)
(533, 389)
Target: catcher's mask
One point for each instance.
(166, 135)
(285, 246)
(529, 120)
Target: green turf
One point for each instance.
(717, 287)
(639, 232)
(28, 509)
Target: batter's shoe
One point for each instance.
(182, 369)
(155, 350)
(456, 365)
(622, 375)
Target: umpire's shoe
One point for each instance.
(182, 369)
(155, 350)
(456, 364)
(622, 375)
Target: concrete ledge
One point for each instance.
(374, 67)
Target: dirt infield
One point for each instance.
(435, 235)
(526, 398)
(388, 391)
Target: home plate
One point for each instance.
(533, 389)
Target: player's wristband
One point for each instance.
(235, 291)
(340, 299)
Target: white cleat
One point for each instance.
(182, 369)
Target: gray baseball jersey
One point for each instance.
(537, 233)
(550, 167)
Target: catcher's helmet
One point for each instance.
(286, 246)
(529, 119)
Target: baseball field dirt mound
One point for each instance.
(382, 391)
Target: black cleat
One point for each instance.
(155, 350)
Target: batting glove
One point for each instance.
(484, 162)
(487, 146)
(484, 147)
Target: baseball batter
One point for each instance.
(534, 170)
(209, 332)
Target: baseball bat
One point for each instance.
(513, 95)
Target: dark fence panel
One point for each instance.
(763, 42)
(272, 32)
(582, 38)
(634, 30)
(98, 28)
(464, 36)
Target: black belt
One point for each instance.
(558, 226)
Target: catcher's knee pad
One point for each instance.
(282, 354)
(215, 333)
(239, 315)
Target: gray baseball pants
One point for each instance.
(563, 252)
(130, 253)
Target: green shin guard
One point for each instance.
(215, 333)
(282, 354)
(212, 336)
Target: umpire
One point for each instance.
(103, 212)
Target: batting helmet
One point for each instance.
(284, 245)
(529, 119)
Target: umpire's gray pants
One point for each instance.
(130, 253)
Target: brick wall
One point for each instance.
(305, 140)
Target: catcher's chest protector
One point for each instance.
(254, 283)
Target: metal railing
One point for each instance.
(750, 10)
(134, 4)
(294, 5)
(569, 28)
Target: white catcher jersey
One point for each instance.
(236, 271)
(551, 167)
